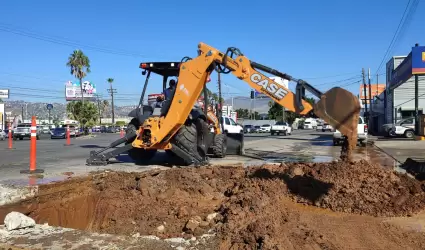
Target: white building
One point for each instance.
(397, 103)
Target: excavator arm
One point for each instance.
(338, 107)
(335, 107)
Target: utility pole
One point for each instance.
(112, 92)
(98, 108)
(416, 102)
(23, 117)
(370, 101)
(365, 97)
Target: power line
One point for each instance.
(330, 76)
(394, 37)
(66, 41)
(343, 80)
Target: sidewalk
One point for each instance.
(400, 148)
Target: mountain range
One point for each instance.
(39, 109)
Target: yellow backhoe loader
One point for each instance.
(180, 128)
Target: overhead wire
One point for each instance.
(67, 42)
(396, 34)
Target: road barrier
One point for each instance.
(68, 137)
(33, 150)
(10, 137)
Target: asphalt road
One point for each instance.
(56, 158)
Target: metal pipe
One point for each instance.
(144, 89)
(271, 71)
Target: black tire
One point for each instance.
(138, 154)
(21, 138)
(272, 133)
(335, 142)
(409, 134)
(132, 127)
(219, 146)
(186, 139)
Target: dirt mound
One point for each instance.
(247, 207)
(360, 187)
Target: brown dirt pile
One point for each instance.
(361, 188)
(254, 206)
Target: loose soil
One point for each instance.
(337, 205)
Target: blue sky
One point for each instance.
(307, 39)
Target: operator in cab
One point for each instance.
(168, 91)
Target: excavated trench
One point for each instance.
(294, 206)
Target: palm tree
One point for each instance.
(110, 80)
(79, 64)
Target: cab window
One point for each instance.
(232, 122)
(227, 121)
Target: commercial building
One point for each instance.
(397, 102)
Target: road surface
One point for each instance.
(56, 158)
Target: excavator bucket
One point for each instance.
(235, 144)
(341, 109)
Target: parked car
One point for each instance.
(310, 123)
(230, 126)
(23, 130)
(74, 130)
(265, 128)
(58, 133)
(361, 133)
(281, 128)
(248, 129)
(45, 130)
(405, 127)
(256, 129)
(110, 129)
(2, 135)
(327, 127)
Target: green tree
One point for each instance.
(275, 111)
(103, 106)
(79, 64)
(120, 123)
(243, 113)
(83, 112)
(110, 81)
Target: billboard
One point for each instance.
(376, 89)
(73, 91)
(4, 94)
(418, 60)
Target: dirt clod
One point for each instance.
(246, 207)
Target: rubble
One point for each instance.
(237, 207)
(211, 217)
(12, 194)
(16, 220)
(193, 223)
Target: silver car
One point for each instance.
(2, 135)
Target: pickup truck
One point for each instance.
(23, 130)
(281, 127)
(361, 134)
(405, 128)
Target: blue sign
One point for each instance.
(402, 73)
(418, 60)
(49, 106)
(413, 64)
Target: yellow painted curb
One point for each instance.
(419, 138)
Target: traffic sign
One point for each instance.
(49, 106)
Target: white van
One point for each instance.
(310, 123)
(230, 126)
